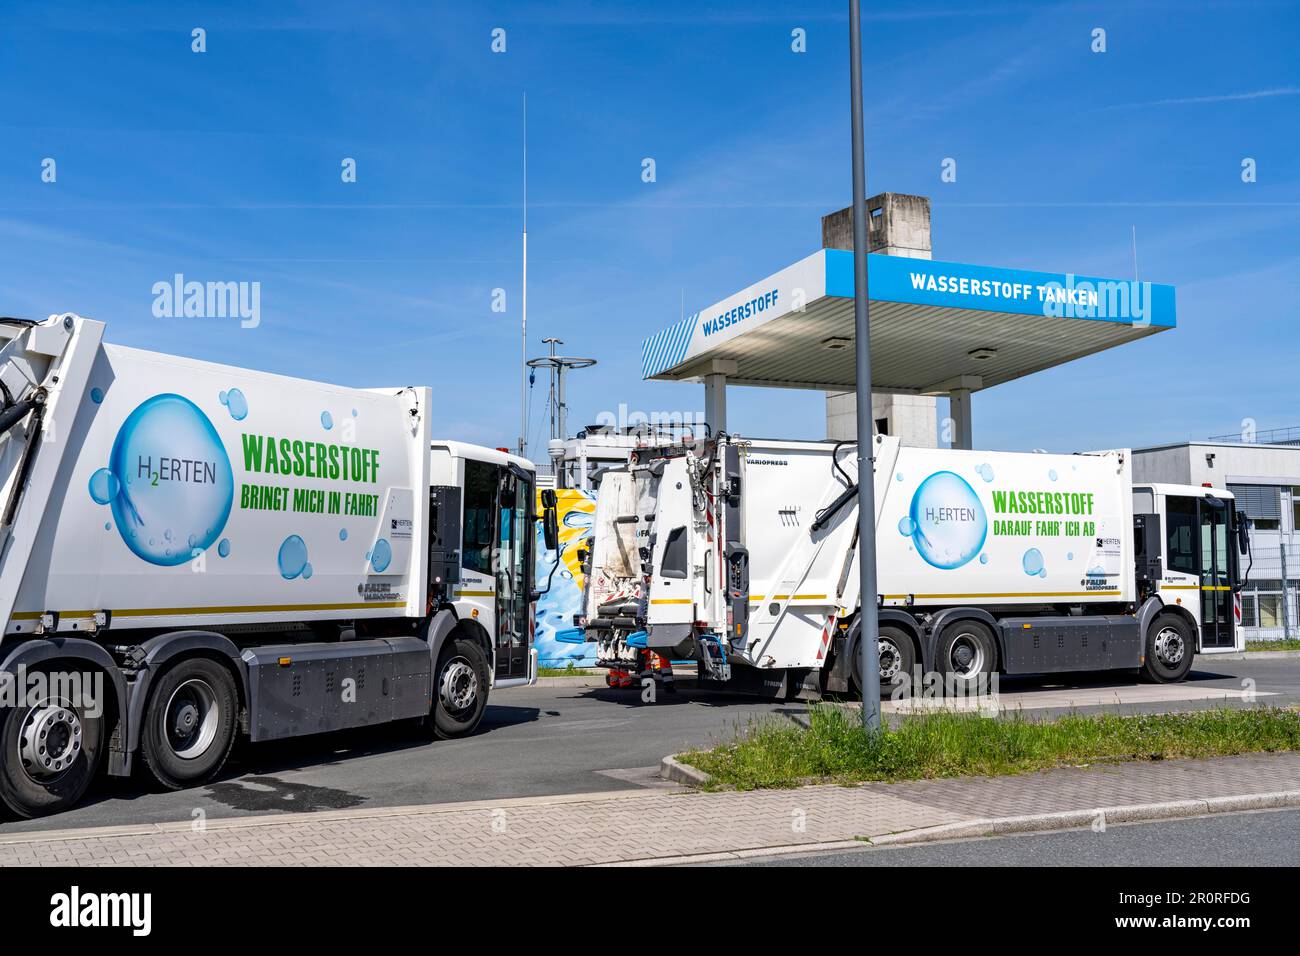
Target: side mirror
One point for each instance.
(1243, 533)
(550, 520)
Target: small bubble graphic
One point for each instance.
(306, 571)
(237, 404)
(326, 420)
(382, 555)
(223, 548)
(1052, 474)
(292, 557)
(1032, 562)
(343, 534)
(104, 486)
(97, 395)
(906, 527)
(985, 472)
(984, 559)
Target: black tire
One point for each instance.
(1169, 649)
(966, 652)
(189, 723)
(897, 659)
(460, 688)
(30, 789)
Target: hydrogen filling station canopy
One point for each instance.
(937, 328)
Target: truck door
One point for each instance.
(1218, 575)
(513, 572)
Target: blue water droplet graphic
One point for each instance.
(306, 571)
(174, 479)
(985, 472)
(223, 548)
(343, 534)
(382, 555)
(1069, 555)
(108, 526)
(354, 413)
(948, 521)
(984, 559)
(906, 527)
(97, 395)
(292, 557)
(104, 486)
(1052, 474)
(899, 476)
(1032, 562)
(237, 403)
(221, 397)
(1043, 573)
(326, 420)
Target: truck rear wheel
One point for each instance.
(189, 723)
(897, 659)
(1169, 650)
(52, 751)
(966, 652)
(461, 688)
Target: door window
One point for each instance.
(481, 481)
(1180, 535)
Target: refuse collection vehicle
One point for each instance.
(742, 555)
(190, 551)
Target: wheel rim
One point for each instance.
(190, 719)
(966, 656)
(50, 741)
(891, 660)
(1170, 647)
(458, 687)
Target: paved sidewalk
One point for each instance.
(628, 826)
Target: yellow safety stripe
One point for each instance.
(1015, 594)
(476, 594)
(228, 609)
(673, 601)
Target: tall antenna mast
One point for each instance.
(523, 351)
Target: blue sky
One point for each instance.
(225, 166)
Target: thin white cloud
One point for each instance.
(1214, 98)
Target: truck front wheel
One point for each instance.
(461, 688)
(52, 750)
(1169, 650)
(189, 723)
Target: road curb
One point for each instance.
(1256, 655)
(1072, 819)
(670, 768)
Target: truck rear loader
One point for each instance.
(191, 551)
(741, 555)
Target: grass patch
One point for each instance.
(1280, 645)
(569, 671)
(834, 748)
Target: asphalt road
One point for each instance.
(533, 741)
(1263, 838)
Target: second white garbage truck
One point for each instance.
(191, 551)
(741, 554)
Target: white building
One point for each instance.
(1265, 478)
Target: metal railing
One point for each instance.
(1269, 436)
(1270, 595)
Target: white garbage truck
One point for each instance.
(191, 551)
(742, 555)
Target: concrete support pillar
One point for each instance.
(959, 399)
(715, 393)
(715, 402)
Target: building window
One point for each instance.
(1262, 503)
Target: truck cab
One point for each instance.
(1189, 541)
